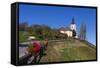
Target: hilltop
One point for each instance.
(69, 50)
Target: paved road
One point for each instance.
(22, 51)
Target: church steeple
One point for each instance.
(73, 25)
(73, 21)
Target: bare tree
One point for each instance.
(82, 33)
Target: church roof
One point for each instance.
(68, 29)
(62, 28)
(65, 29)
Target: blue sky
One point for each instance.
(57, 17)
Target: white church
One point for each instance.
(71, 32)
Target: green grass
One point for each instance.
(23, 36)
(79, 53)
(69, 50)
(69, 54)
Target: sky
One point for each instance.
(56, 17)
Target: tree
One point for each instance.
(74, 33)
(23, 26)
(82, 33)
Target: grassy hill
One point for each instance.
(69, 50)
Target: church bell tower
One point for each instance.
(73, 27)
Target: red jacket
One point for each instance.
(36, 47)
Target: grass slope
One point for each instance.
(69, 50)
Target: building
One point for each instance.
(71, 32)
